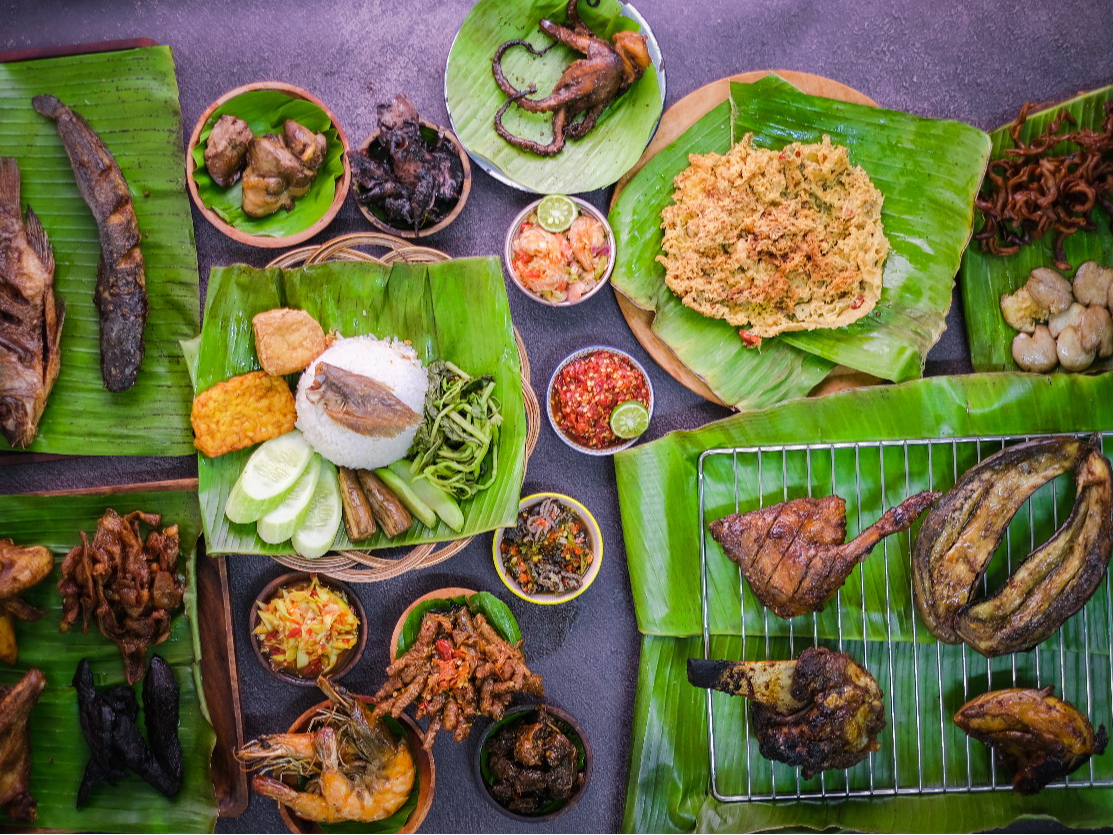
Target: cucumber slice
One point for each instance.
(318, 530)
(404, 491)
(269, 473)
(280, 524)
(441, 502)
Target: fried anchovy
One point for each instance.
(121, 294)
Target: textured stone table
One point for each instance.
(977, 62)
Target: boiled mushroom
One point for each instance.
(1068, 347)
(1072, 316)
(1049, 289)
(1096, 330)
(1035, 352)
(1092, 283)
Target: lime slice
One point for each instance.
(280, 524)
(318, 531)
(270, 471)
(629, 419)
(556, 212)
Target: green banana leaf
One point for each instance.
(59, 749)
(657, 486)
(265, 111)
(668, 784)
(498, 614)
(473, 97)
(927, 230)
(139, 118)
(456, 310)
(985, 277)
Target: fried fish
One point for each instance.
(30, 316)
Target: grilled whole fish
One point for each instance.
(820, 711)
(1056, 579)
(959, 536)
(30, 316)
(16, 703)
(1041, 738)
(121, 294)
(794, 555)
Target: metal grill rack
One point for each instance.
(873, 619)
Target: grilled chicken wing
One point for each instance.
(21, 567)
(1040, 737)
(226, 150)
(793, 553)
(821, 711)
(16, 703)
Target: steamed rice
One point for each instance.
(389, 361)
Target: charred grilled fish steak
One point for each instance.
(30, 317)
(121, 294)
(962, 532)
(794, 554)
(16, 703)
(821, 711)
(1041, 738)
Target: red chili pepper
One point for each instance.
(444, 649)
(295, 632)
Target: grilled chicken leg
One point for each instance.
(793, 553)
(16, 703)
(821, 711)
(21, 567)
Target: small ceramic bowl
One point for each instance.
(508, 253)
(451, 591)
(560, 433)
(267, 241)
(377, 218)
(426, 774)
(299, 578)
(514, 717)
(546, 598)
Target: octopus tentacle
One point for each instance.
(500, 76)
(578, 38)
(552, 149)
(580, 129)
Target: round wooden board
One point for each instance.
(676, 120)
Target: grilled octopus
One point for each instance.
(584, 89)
(821, 711)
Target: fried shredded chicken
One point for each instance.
(128, 585)
(458, 668)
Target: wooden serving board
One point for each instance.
(676, 120)
(219, 676)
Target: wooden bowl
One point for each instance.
(428, 132)
(513, 716)
(266, 241)
(450, 591)
(346, 661)
(423, 760)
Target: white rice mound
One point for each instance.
(394, 364)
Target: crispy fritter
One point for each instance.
(775, 241)
(241, 412)
(287, 340)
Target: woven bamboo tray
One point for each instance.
(361, 566)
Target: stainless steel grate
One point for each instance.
(873, 619)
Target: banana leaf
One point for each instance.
(927, 230)
(140, 120)
(473, 97)
(265, 112)
(455, 310)
(669, 778)
(986, 277)
(59, 749)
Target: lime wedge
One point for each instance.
(270, 471)
(556, 212)
(316, 533)
(629, 419)
(280, 524)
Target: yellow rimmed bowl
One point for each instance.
(594, 533)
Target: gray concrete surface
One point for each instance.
(974, 61)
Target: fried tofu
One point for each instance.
(241, 412)
(287, 340)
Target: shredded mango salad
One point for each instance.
(305, 629)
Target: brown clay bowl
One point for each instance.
(512, 717)
(346, 661)
(450, 591)
(429, 132)
(423, 760)
(266, 241)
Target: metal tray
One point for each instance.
(875, 623)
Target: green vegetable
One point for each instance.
(456, 447)
(498, 614)
(265, 111)
(268, 476)
(401, 488)
(434, 497)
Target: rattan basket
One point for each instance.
(363, 566)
